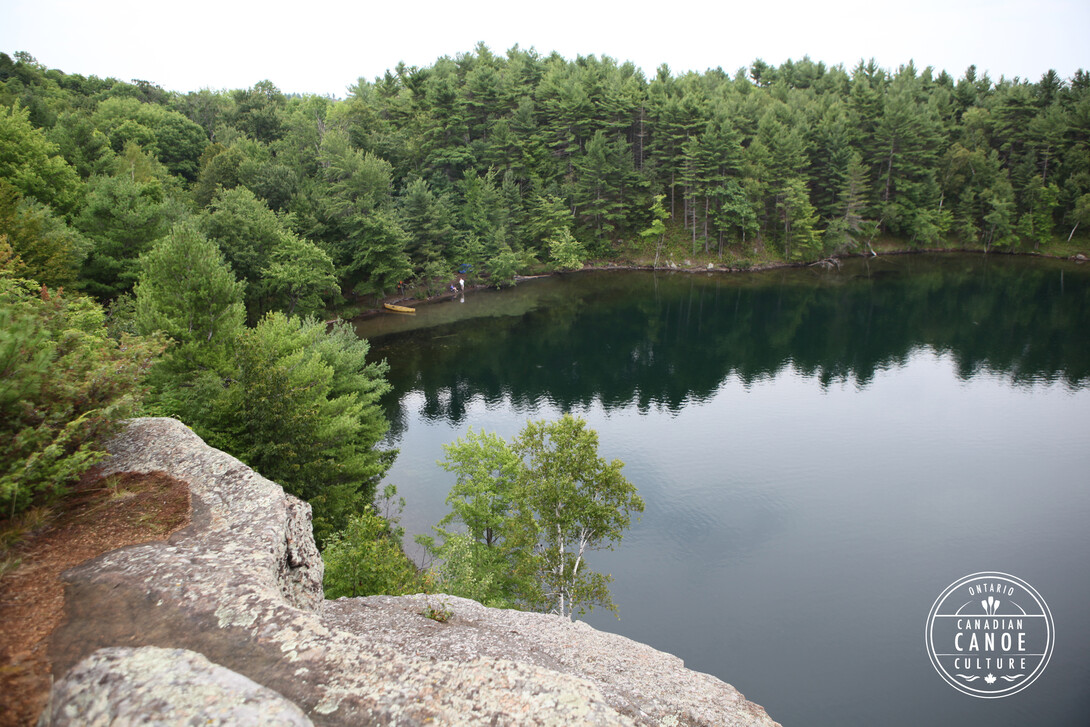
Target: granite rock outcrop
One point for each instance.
(239, 590)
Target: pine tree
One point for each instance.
(187, 291)
(302, 408)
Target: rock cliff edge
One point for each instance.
(225, 623)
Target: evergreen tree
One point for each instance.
(65, 388)
(799, 220)
(849, 225)
(82, 145)
(604, 181)
(122, 217)
(492, 155)
(302, 408)
(426, 220)
(188, 292)
(906, 138)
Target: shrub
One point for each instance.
(65, 386)
(366, 559)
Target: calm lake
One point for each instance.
(821, 454)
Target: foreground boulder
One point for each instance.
(239, 589)
(177, 687)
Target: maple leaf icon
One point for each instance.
(990, 678)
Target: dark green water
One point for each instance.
(821, 454)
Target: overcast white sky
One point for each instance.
(322, 47)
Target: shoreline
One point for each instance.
(830, 261)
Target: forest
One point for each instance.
(506, 162)
(181, 254)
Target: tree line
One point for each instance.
(501, 162)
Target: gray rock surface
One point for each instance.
(241, 585)
(151, 686)
(650, 686)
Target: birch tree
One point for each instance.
(482, 497)
(533, 509)
(579, 502)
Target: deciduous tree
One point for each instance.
(533, 510)
(33, 164)
(365, 559)
(579, 503)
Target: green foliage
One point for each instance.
(545, 217)
(140, 165)
(188, 292)
(219, 169)
(481, 498)
(1080, 215)
(300, 404)
(565, 252)
(247, 232)
(493, 561)
(1036, 223)
(374, 254)
(606, 173)
(292, 398)
(50, 251)
(486, 159)
(426, 220)
(579, 503)
(438, 613)
(659, 215)
(11, 265)
(365, 559)
(65, 385)
(503, 267)
(280, 269)
(257, 111)
(32, 164)
(176, 141)
(657, 230)
(468, 569)
(299, 277)
(532, 510)
(122, 217)
(799, 220)
(435, 277)
(82, 145)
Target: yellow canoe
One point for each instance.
(398, 308)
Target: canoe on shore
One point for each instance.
(398, 308)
